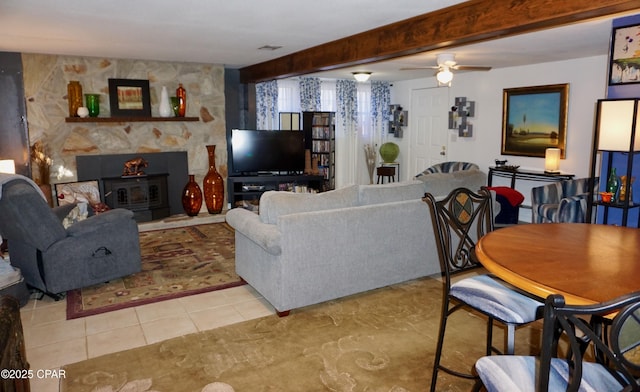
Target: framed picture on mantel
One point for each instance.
(129, 98)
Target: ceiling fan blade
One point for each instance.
(416, 68)
(470, 68)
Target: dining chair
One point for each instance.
(600, 354)
(459, 220)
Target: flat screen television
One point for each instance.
(266, 151)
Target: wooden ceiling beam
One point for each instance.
(462, 24)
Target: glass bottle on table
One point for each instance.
(613, 183)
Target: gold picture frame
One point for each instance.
(534, 119)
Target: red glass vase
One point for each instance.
(213, 185)
(181, 94)
(191, 197)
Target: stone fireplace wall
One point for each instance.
(45, 82)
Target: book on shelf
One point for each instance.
(321, 119)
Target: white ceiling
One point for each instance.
(230, 32)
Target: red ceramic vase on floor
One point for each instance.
(213, 185)
(191, 197)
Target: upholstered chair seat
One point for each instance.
(584, 348)
(492, 296)
(518, 374)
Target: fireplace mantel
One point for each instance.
(126, 119)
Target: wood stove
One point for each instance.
(159, 191)
(145, 195)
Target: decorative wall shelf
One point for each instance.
(126, 119)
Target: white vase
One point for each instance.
(165, 104)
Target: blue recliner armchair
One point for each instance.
(563, 201)
(55, 259)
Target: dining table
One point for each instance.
(586, 263)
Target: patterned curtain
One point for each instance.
(347, 97)
(380, 101)
(346, 132)
(267, 105)
(310, 94)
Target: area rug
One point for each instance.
(176, 262)
(382, 340)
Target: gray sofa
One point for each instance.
(303, 249)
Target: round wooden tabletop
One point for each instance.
(587, 263)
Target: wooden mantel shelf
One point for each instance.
(126, 119)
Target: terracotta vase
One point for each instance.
(191, 197)
(213, 185)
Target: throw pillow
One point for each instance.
(78, 213)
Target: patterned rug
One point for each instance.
(176, 262)
(379, 341)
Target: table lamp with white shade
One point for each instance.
(7, 166)
(552, 160)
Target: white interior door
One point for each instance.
(429, 123)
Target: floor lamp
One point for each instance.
(617, 122)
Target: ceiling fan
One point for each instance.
(446, 63)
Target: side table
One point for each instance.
(525, 174)
(395, 165)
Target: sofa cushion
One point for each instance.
(276, 203)
(386, 193)
(440, 184)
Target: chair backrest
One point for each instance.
(450, 167)
(26, 216)
(547, 194)
(575, 187)
(615, 343)
(459, 220)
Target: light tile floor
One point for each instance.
(52, 341)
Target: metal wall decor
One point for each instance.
(398, 118)
(459, 116)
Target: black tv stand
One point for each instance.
(250, 188)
